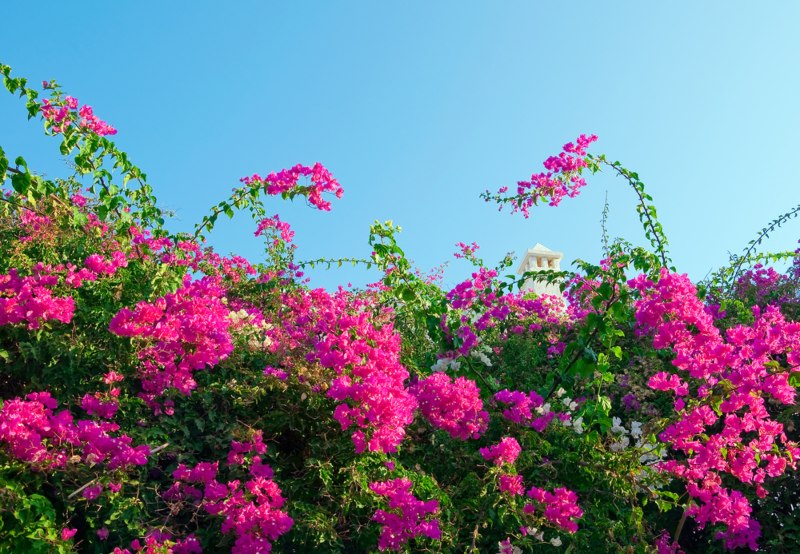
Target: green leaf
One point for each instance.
(583, 368)
(3, 165)
(21, 182)
(78, 217)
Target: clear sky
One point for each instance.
(416, 107)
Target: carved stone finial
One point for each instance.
(540, 258)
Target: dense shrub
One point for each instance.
(159, 397)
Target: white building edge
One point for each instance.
(540, 258)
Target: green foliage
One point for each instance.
(593, 368)
(28, 520)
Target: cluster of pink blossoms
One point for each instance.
(482, 306)
(98, 265)
(287, 179)
(466, 251)
(522, 408)
(466, 294)
(30, 300)
(454, 406)
(281, 228)
(36, 434)
(469, 295)
(35, 226)
(511, 484)
(560, 507)
(504, 452)
(103, 404)
(370, 380)
(579, 294)
(750, 445)
(561, 179)
(407, 516)
(180, 333)
(60, 116)
(188, 254)
(252, 510)
(528, 314)
(764, 285)
(341, 332)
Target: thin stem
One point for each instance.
(80, 490)
(679, 529)
(657, 234)
(603, 227)
(755, 242)
(235, 198)
(77, 492)
(478, 373)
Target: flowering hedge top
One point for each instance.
(212, 403)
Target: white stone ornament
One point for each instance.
(540, 258)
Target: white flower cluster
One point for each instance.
(442, 364)
(570, 406)
(253, 335)
(635, 437)
(535, 533)
(481, 354)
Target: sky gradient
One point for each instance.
(417, 107)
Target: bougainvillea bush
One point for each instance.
(160, 397)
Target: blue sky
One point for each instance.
(417, 107)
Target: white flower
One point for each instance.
(544, 409)
(617, 427)
(577, 424)
(636, 428)
(620, 445)
(481, 354)
(443, 363)
(555, 541)
(560, 392)
(505, 547)
(572, 405)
